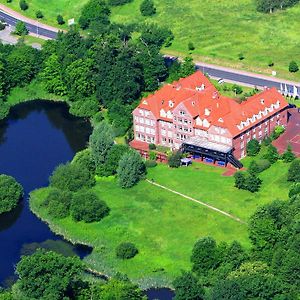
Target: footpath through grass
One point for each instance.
(165, 226)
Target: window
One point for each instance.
(242, 145)
(182, 113)
(142, 120)
(260, 133)
(163, 132)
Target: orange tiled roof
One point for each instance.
(198, 94)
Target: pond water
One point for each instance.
(35, 138)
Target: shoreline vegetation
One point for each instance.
(152, 267)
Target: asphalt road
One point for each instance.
(229, 75)
(249, 80)
(31, 27)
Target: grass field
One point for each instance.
(164, 226)
(50, 9)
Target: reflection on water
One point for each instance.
(34, 139)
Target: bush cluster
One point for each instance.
(70, 195)
(147, 8)
(175, 159)
(126, 250)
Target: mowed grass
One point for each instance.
(163, 225)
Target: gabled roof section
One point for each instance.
(202, 100)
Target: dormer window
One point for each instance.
(207, 112)
(171, 103)
(201, 87)
(193, 103)
(262, 101)
(145, 102)
(221, 120)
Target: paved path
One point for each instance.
(6, 37)
(39, 29)
(197, 201)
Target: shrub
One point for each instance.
(253, 183)
(270, 63)
(87, 207)
(293, 67)
(271, 154)
(294, 171)
(39, 14)
(240, 180)
(2, 26)
(71, 177)
(278, 130)
(86, 107)
(253, 168)
(21, 29)
(152, 146)
(131, 169)
(237, 89)
(60, 20)
(84, 160)
(58, 203)
(191, 46)
(175, 159)
(294, 190)
(152, 155)
(241, 56)
(10, 193)
(263, 164)
(147, 8)
(150, 163)
(23, 5)
(253, 147)
(267, 141)
(288, 155)
(126, 250)
(112, 161)
(8, 1)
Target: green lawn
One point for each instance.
(164, 226)
(220, 30)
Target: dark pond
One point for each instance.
(35, 138)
